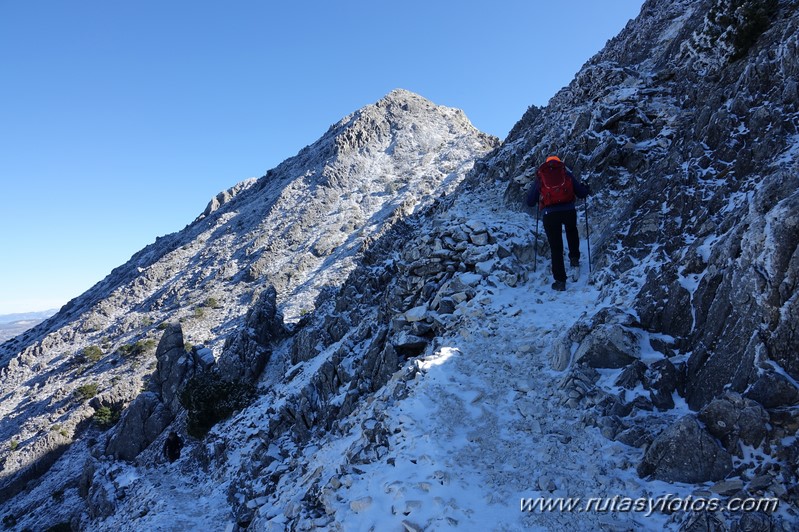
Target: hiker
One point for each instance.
(554, 190)
(172, 446)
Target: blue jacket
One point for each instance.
(580, 190)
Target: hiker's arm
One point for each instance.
(580, 189)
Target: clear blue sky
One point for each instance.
(120, 120)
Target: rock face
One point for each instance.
(685, 453)
(175, 366)
(734, 420)
(152, 411)
(693, 181)
(142, 423)
(245, 356)
(608, 346)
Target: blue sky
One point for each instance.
(120, 120)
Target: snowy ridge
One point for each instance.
(300, 228)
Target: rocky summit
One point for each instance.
(366, 338)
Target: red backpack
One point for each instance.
(554, 185)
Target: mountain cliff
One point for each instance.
(360, 339)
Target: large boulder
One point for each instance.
(152, 411)
(609, 345)
(685, 452)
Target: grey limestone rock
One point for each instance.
(773, 390)
(734, 419)
(139, 426)
(685, 452)
(246, 355)
(175, 366)
(608, 346)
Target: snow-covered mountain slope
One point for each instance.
(300, 228)
(438, 383)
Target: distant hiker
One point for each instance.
(554, 190)
(172, 446)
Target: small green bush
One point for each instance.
(208, 399)
(87, 391)
(211, 302)
(105, 417)
(93, 353)
(199, 312)
(137, 349)
(14, 445)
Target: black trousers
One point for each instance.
(553, 223)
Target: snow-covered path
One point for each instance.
(483, 427)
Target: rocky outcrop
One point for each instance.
(246, 354)
(735, 421)
(685, 452)
(144, 420)
(152, 411)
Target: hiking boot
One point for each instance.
(560, 286)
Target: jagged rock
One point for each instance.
(245, 357)
(224, 197)
(632, 376)
(139, 426)
(733, 419)
(203, 357)
(560, 354)
(685, 452)
(635, 436)
(416, 314)
(663, 379)
(727, 487)
(773, 390)
(175, 367)
(608, 346)
(409, 345)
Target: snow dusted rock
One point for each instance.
(608, 346)
(416, 314)
(735, 420)
(663, 379)
(227, 195)
(175, 367)
(773, 390)
(685, 452)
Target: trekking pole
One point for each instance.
(535, 260)
(587, 236)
